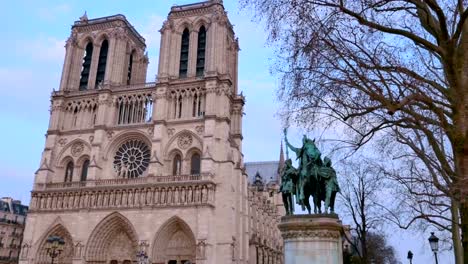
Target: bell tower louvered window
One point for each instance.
(201, 51)
(86, 67)
(184, 54)
(129, 71)
(101, 70)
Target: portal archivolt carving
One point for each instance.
(175, 240)
(113, 239)
(66, 256)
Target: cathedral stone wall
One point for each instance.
(154, 168)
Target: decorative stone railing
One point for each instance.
(122, 181)
(137, 86)
(133, 86)
(114, 195)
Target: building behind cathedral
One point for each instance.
(156, 168)
(12, 221)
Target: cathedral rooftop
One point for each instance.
(186, 7)
(85, 22)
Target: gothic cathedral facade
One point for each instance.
(136, 171)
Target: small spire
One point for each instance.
(84, 17)
(281, 162)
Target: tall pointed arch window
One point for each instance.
(177, 165)
(184, 54)
(84, 170)
(101, 70)
(69, 171)
(130, 66)
(86, 66)
(195, 164)
(201, 51)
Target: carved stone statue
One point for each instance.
(313, 177)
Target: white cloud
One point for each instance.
(51, 13)
(48, 49)
(153, 38)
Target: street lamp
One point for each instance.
(410, 257)
(142, 257)
(54, 247)
(434, 242)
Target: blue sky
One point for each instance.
(33, 36)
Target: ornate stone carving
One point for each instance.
(132, 159)
(184, 194)
(119, 33)
(91, 139)
(25, 250)
(78, 250)
(308, 233)
(167, 25)
(201, 249)
(77, 149)
(110, 134)
(200, 129)
(62, 141)
(151, 131)
(185, 141)
(171, 131)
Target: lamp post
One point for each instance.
(434, 242)
(410, 257)
(142, 257)
(54, 247)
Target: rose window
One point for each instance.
(132, 159)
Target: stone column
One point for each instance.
(193, 46)
(312, 239)
(93, 67)
(164, 52)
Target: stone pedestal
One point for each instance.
(312, 239)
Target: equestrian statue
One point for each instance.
(313, 177)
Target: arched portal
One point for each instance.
(174, 243)
(114, 240)
(66, 256)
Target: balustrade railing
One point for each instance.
(136, 86)
(123, 181)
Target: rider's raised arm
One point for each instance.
(288, 144)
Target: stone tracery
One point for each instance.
(133, 108)
(132, 159)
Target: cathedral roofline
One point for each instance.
(261, 162)
(84, 21)
(179, 8)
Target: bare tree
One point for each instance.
(396, 70)
(362, 196)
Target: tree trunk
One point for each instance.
(456, 239)
(464, 228)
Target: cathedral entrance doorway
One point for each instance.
(175, 243)
(113, 241)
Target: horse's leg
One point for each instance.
(332, 202)
(307, 204)
(290, 204)
(285, 202)
(318, 202)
